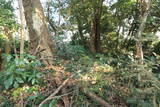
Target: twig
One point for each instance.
(54, 93)
(59, 96)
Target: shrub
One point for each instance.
(20, 71)
(68, 51)
(143, 85)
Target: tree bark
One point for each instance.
(96, 25)
(22, 30)
(1, 61)
(52, 26)
(41, 43)
(8, 33)
(140, 31)
(80, 30)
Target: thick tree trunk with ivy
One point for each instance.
(41, 43)
(145, 11)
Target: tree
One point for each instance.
(97, 7)
(86, 15)
(22, 30)
(41, 43)
(144, 14)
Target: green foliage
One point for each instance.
(34, 100)
(2, 40)
(25, 91)
(116, 76)
(6, 15)
(20, 71)
(53, 103)
(144, 86)
(157, 47)
(68, 51)
(4, 102)
(132, 84)
(82, 65)
(7, 22)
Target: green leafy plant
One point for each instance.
(142, 83)
(4, 102)
(67, 50)
(20, 71)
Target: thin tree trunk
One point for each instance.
(22, 31)
(59, 14)
(15, 49)
(80, 30)
(140, 31)
(49, 19)
(1, 61)
(118, 36)
(41, 43)
(96, 26)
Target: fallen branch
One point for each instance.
(55, 92)
(59, 96)
(94, 97)
(59, 80)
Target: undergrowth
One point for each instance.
(119, 80)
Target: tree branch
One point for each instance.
(55, 92)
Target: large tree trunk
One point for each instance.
(41, 43)
(140, 31)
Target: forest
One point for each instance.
(79, 53)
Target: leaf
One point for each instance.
(53, 103)
(9, 57)
(38, 75)
(30, 98)
(30, 78)
(159, 76)
(131, 101)
(44, 105)
(25, 60)
(16, 85)
(8, 82)
(19, 80)
(33, 81)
